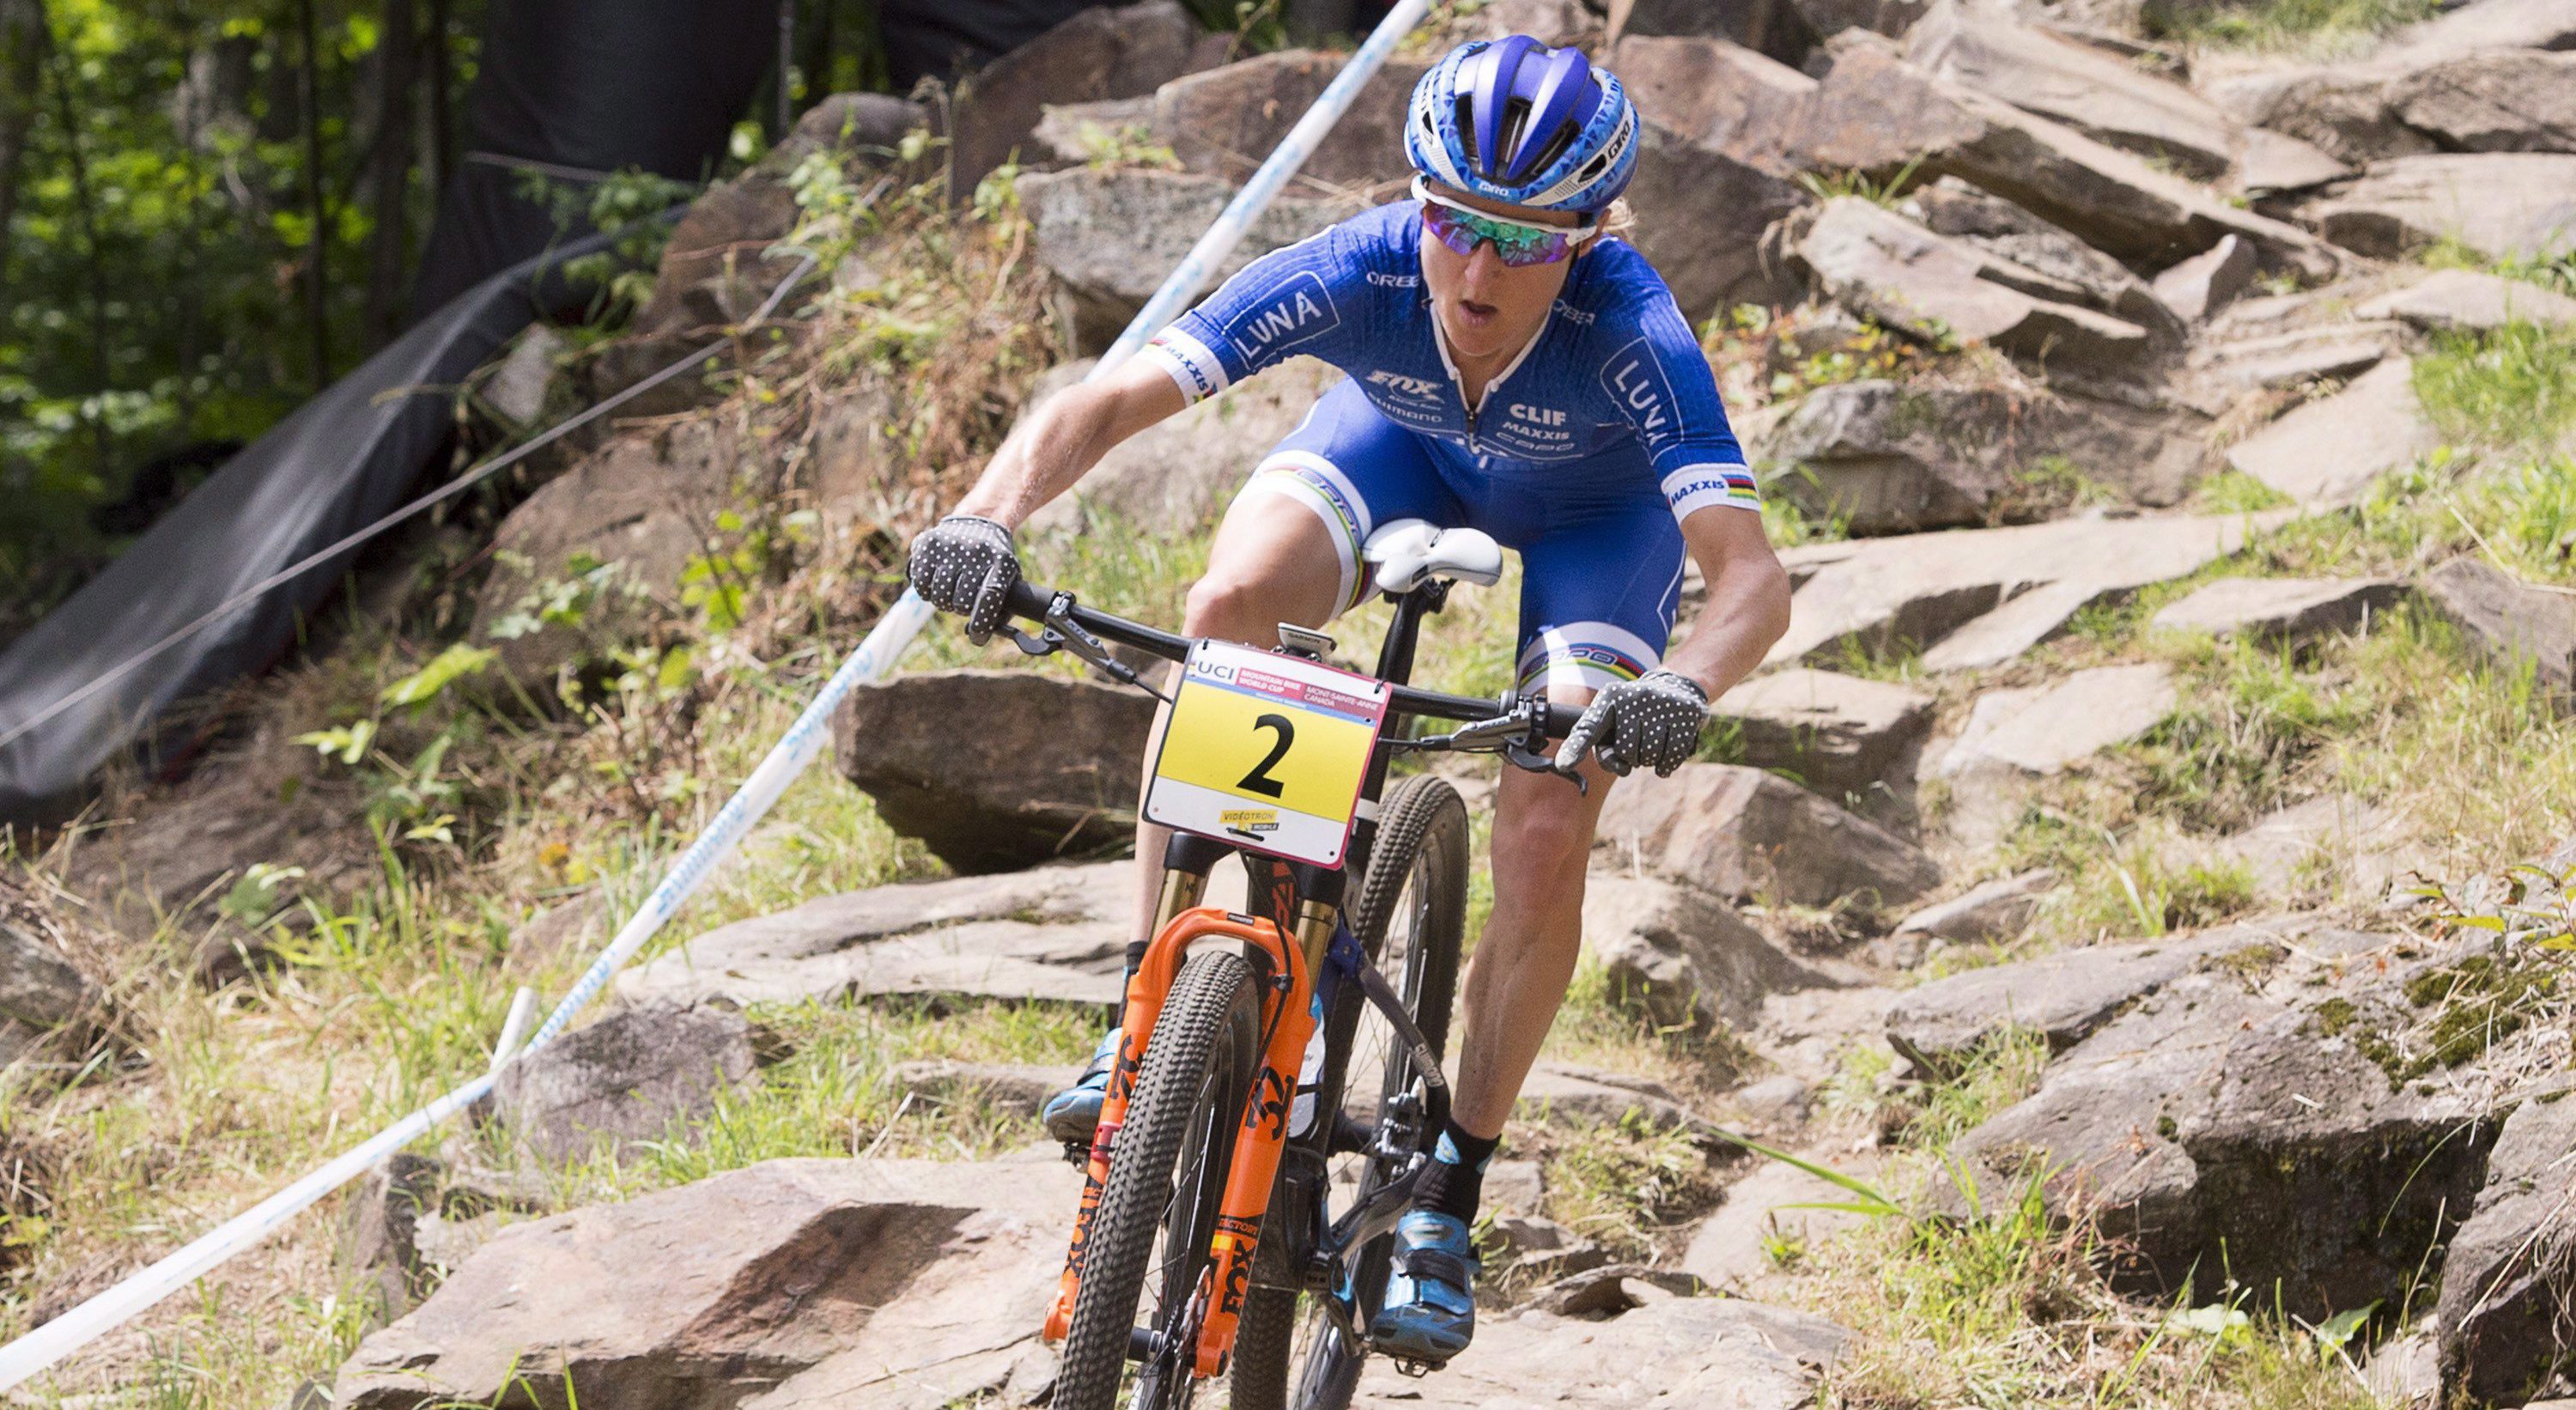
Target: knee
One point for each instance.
(1231, 606)
(1548, 842)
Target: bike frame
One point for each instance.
(1301, 953)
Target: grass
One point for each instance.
(2513, 389)
(2319, 28)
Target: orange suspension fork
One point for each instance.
(1146, 990)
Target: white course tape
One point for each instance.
(802, 744)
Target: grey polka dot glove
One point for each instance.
(1651, 722)
(964, 564)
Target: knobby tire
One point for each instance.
(1206, 1045)
(1409, 914)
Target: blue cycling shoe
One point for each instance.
(1430, 1307)
(1072, 1114)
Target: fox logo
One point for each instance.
(1410, 386)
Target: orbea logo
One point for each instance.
(1410, 386)
(1298, 311)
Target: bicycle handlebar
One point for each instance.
(1031, 602)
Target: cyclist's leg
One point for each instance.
(1287, 551)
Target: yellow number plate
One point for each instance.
(1267, 751)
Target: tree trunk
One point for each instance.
(317, 249)
(442, 75)
(389, 168)
(23, 41)
(67, 112)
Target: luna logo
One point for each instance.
(1298, 311)
(1635, 380)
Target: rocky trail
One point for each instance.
(2136, 894)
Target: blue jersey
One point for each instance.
(1613, 387)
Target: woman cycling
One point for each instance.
(1513, 367)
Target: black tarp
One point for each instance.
(344, 459)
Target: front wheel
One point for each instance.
(1166, 1184)
(1410, 916)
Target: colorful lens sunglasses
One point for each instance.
(1517, 244)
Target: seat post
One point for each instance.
(1395, 657)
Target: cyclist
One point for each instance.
(1516, 368)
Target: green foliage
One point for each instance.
(2512, 389)
(2278, 25)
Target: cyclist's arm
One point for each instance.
(1747, 607)
(1060, 442)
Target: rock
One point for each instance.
(859, 1283)
(1837, 733)
(1097, 54)
(1885, 267)
(2326, 453)
(2198, 286)
(2493, 102)
(2492, 24)
(2512, 622)
(1776, 28)
(1989, 913)
(1555, 23)
(1050, 771)
(1546, 1248)
(379, 1257)
(1716, 93)
(2071, 270)
(2106, 98)
(2501, 204)
(1514, 1187)
(1889, 17)
(1701, 213)
(1780, 1102)
(41, 981)
(2043, 729)
(1875, 112)
(2308, 847)
(1016, 1085)
(2340, 111)
(2281, 607)
(2205, 1118)
(1224, 121)
(590, 560)
(2471, 301)
(1742, 833)
(2276, 162)
(517, 388)
(1918, 590)
(2404, 1371)
(1110, 237)
(1898, 457)
(629, 1077)
(1053, 933)
(1071, 134)
(2064, 997)
(2301, 355)
(1183, 471)
(1568, 1091)
(1682, 954)
(2510, 1273)
(1768, 1214)
(1664, 1355)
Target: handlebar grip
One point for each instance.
(1029, 600)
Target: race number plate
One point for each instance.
(1266, 751)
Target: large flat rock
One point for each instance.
(2088, 89)
(2512, 621)
(1741, 833)
(1715, 92)
(2281, 607)
(714, 1292)
(2511, 1271)
(1673, 1353)
(2064, 997)
(2327, 452)
(2512, 101)
(1053, 933)
(1919, 589)
(1682, 954)
(2471, 301)
(2043, 729)
(1837, 733)
(1097, 54)
(628, 1078)
(2501, 204)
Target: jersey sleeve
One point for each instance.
(1304, 298)
(1661, 383)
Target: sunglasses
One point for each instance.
(1518, 244)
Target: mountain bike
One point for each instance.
(1278, 1086)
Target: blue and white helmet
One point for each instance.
(1512, 120)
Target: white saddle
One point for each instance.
(1410, 552)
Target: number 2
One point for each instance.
(1259, 780)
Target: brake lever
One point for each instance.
(1061, 633)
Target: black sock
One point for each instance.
(1456, 1179)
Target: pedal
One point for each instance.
(1078, 1154)
(1417, 1369)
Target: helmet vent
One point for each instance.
(1466, 119)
